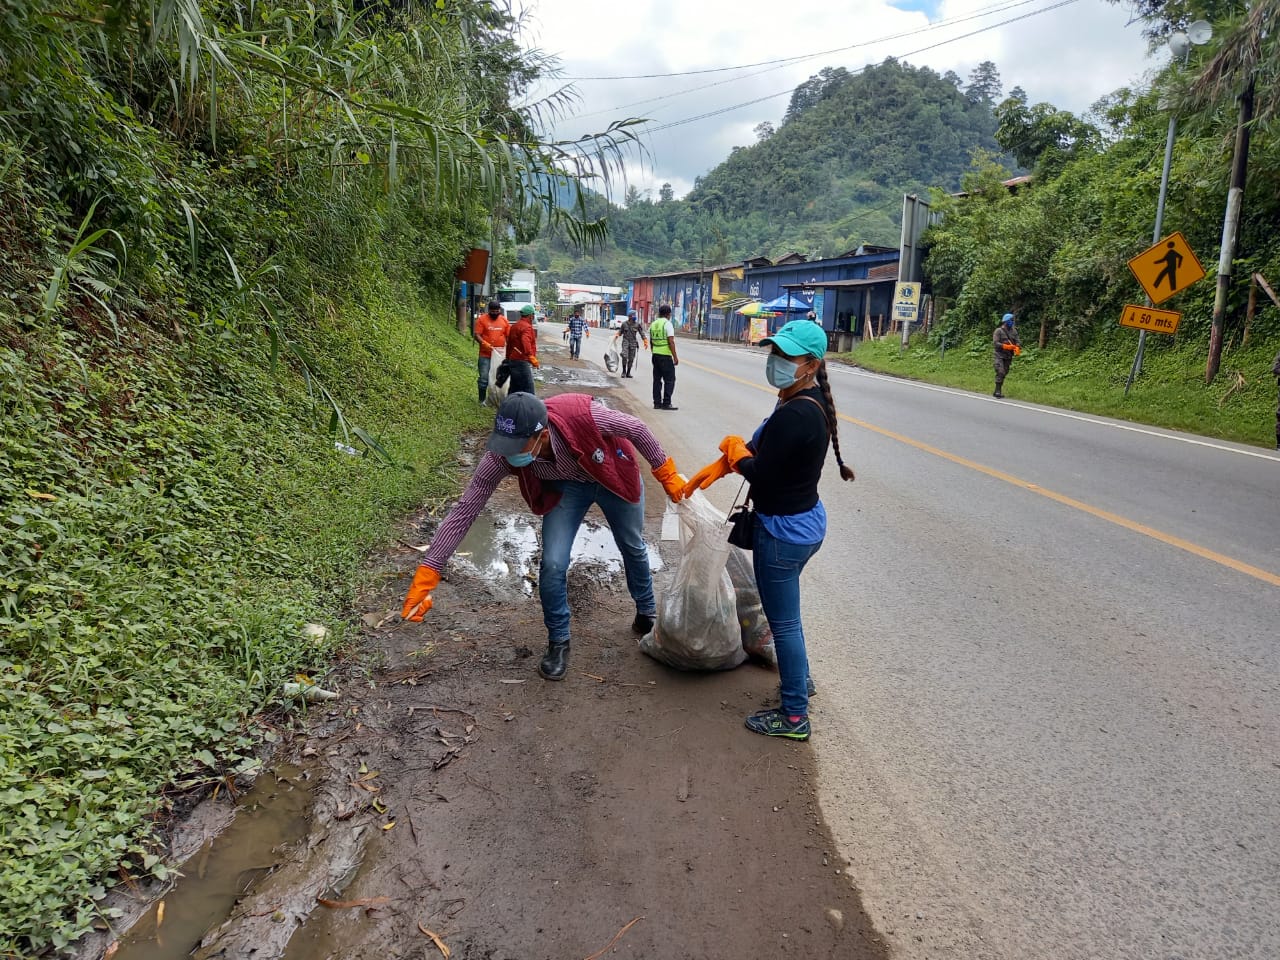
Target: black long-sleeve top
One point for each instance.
(790, 449)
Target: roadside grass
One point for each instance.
(1240, 405)
(171, 515)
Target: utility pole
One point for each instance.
(1230, 230)
(702, 266)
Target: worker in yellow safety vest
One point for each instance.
(662, 345)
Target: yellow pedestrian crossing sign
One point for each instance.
(1167, 268)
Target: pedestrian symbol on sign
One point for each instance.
(1167, 268)
(1171, 260)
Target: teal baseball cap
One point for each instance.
(799, 338)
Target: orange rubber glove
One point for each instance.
(1010, 347)
(1017, 350)
(708, 475)
(418, 601)
(534, 361)
(735, 449)
(671, 480)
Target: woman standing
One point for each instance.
(783, 464)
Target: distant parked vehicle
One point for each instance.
(518, 293)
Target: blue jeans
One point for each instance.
(482, 375)
(560, 526)
(575, 346)
(777, 567)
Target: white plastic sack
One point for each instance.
(757, 638)
(611, 360)
(697, 625)
(496, 394)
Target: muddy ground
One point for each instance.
(454, 794)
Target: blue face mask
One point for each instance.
(520, 459)
(779, 371)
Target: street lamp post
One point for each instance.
(1180, 46)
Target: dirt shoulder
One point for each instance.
(457, 792)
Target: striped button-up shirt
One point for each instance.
(493, 469)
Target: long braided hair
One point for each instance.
(846, 472)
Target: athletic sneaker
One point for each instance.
(775, 723)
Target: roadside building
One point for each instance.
(850, 294)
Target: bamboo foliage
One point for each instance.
(394, 100)
(1249, 50)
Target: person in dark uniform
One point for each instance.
(1007, 346)
(631, 334)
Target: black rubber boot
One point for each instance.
(642, 624)
(555, 661)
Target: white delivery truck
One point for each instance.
(520, 291)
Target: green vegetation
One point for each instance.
(1240, 406)
(829, 178)
(1056, 251)
(228, 363)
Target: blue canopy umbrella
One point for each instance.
(798, 304)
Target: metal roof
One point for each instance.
(839, 284)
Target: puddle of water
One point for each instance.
(271, 815)
(506, 550)
(579, 377)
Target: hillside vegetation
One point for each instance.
(227, 364)
(1056, 252)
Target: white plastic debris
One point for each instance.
(308, 691)
(315, 632)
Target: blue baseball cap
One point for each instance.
(520, 416)
(799, 338)
(1007, 318)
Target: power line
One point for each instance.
(773, 65)
(911, 53)
(784, 61)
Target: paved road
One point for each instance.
(1046, 645)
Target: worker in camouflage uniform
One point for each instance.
(1007, 346)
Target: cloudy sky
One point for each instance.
(1070, 54)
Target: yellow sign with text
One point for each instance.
(1167, 268)
(906, 301)
(1149, 318)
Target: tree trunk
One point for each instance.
(1230, 229)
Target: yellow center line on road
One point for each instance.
(1266, 576)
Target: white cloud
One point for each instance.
(1068, 56)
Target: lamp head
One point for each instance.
(1200, 32)
(1179, 45)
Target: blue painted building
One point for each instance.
(847, 292)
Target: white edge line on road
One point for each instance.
(1050, 411)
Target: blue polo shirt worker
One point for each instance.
(567, 453)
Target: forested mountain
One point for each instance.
(829, 177)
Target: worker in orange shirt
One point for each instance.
(522, 351)
(491, 333)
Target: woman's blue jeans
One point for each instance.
(777, 567)
(560, 526)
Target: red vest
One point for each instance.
(610, 461)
